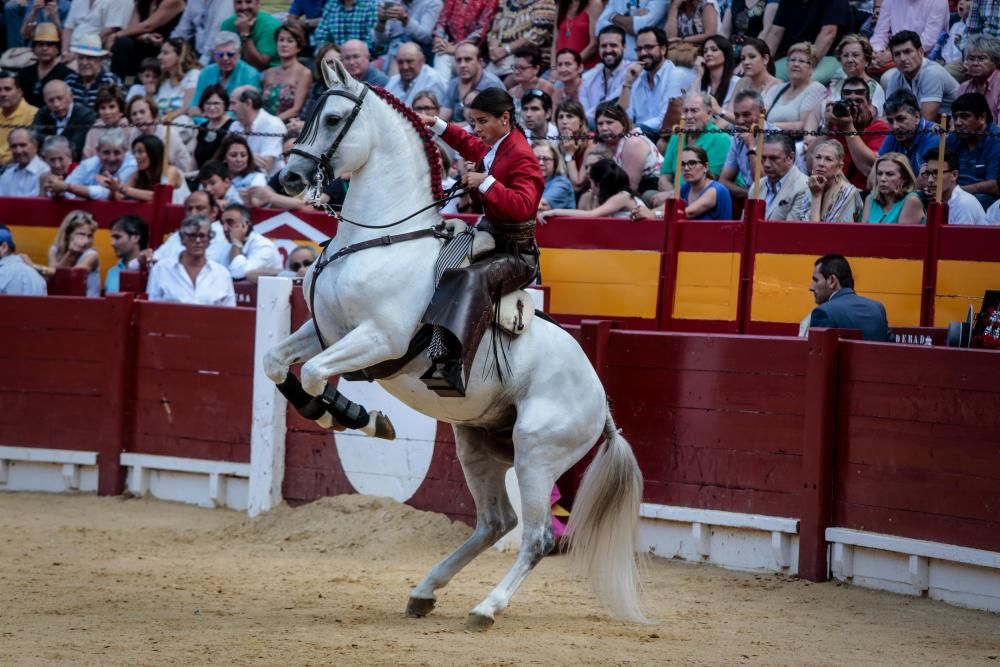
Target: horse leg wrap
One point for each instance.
(308, 406)
(344, 410)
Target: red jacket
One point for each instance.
(515, 195)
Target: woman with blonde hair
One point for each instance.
(833, 198)
(855, 55)
(74, 247)
(558, 192)
(893, 199)
(798, 104)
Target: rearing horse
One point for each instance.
(541, 417)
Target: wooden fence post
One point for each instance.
(117, 417)
(753, 215)
(937, 216)
(818, 451)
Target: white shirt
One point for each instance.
(169, 281)
(87, 17)
(644, 13)
(993, 214)
(551, 135)
(648, 103)
(595, 89)
(440, 126)
(259, 252)
(87, 172)
(428, 79)
(218, 247)
(18, 181)
(271, 145)
(964, 209)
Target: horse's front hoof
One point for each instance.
(419, 607)
(478, 623)
(384, 429)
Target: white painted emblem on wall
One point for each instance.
(395, 468)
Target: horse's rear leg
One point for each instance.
(483, 460)
(537, 540)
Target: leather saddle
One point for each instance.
(514, 316)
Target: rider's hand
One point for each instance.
(429, 121)
(473, 179)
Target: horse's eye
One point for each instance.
(332, 120)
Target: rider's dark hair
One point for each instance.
(495, 101)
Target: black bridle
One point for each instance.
(311, 129)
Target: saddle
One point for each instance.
(516, 309)
(513, 315)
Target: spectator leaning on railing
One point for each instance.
(17, 276)
(129, 240)
(251, 255)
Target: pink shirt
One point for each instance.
(991, 91)
(927, 18)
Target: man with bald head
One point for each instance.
(60, 116)
(358, 63)
(20, 179)
(414, 75)
(265, 133)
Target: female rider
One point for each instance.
(505, 184)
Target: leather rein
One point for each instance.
(322, 165)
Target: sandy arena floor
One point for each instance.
(112, 581)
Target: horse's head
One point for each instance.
(336, 137)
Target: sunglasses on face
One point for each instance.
(295, 266)
(225, 54)
(690, 163)
(196, 236)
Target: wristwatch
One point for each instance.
(568, 158)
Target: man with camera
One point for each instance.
(844, 119)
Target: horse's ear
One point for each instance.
(335, 75)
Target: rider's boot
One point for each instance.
(445, 377)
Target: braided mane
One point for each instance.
(426, 136)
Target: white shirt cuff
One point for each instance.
(486, 184)
(439, 126)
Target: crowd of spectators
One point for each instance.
(109, 100)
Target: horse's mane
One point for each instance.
(431, 150)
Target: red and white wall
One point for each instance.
(874, 463)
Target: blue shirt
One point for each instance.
(924, 141)
(980, 163)
(243, 74)
(311, 9)
(723, 202)
(648, 103)
(559, 192)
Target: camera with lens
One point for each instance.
(841, 109)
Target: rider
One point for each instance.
(505, 184)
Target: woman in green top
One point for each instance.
(893, 199)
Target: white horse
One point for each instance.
(541, 417)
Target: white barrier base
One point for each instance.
(191, 481)
(728, 539)
(47, 470)
(958, 575)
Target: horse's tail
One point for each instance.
(603, 527)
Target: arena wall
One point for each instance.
(741, 276)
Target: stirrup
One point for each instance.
(445, 378)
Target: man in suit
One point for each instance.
(63, 117)
(785, 187)
(839, 307)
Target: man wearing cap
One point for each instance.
(256, 30)
(90, 74)
(17, 277)
(21, 179)
(93, 17)
(14, 111)
(61, 116)
(45, 44)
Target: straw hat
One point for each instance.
(88, 45)
(46, 32)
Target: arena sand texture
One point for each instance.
(117, 581)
